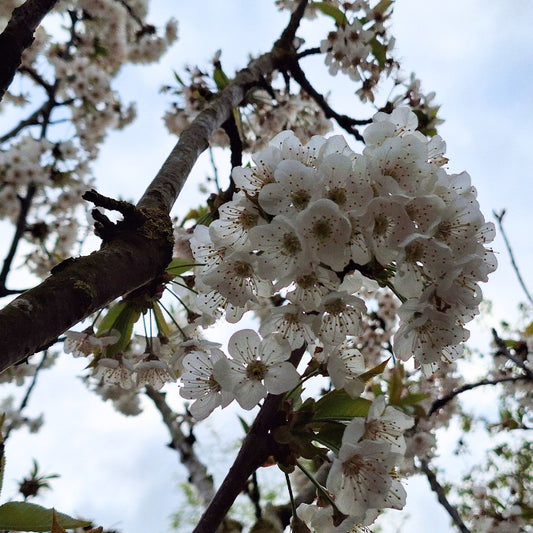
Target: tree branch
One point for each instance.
(441, 402)
(438, 489)
(258, 445)
(347, 123)
(18, 35)
(198, 474)
(25, 204)
(138, 255)
(499, 218)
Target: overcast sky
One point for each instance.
(476, 55)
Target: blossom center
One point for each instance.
(322, 229)
(291, 244)
(300, 199)
(256, 370)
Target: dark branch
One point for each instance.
(438, 489)
(441, 402)
(25, 204)
(258, 445)
(18, 35)
(503, 350)
(347, 123)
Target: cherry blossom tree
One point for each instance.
(343, 251)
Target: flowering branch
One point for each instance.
(438, 489)
(18, 35)
(258, 445)
(82, 286)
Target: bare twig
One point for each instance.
(499, 218)
(503, 350)
(183, 444)
(25, 204)
(438, 489)
(347, 123)
(441, 402)
(29, 390)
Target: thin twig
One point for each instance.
(183, 444)
(29, 390)
(438, 489)
(441, 402)
(503, 350)
(25, 204)
(499, 218)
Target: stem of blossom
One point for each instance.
(183, 444)
(499, 218)
(291, 495)
(18, 35)
(438, 489)
(323, 492)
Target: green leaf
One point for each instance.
(336, 14)
(109, 319)
(528, 332)
(382, 6)
(221, 80)
(178, 266)
(330, 434)
(411, 399)
(178, 79)
(373, 372)
(379, 50)
(24, 516)
(337, 405)
(121, 319)
(162, 325)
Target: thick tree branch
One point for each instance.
(136, 256)
(18, 35)
(79, 287)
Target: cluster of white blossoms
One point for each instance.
(360, 46)
(363, 478)
(311, 222)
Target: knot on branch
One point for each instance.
(144, 223)
(103, 226)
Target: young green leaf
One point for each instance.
(337, 405)
(331, 11)
(24, 516)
